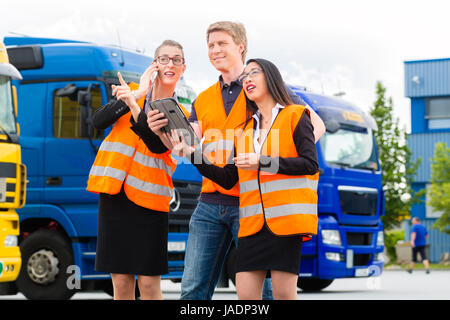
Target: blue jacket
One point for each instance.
(421, 233)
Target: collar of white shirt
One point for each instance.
(275, 110)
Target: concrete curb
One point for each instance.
(415, 269)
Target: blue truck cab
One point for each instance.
(63, 83)
(350, 241)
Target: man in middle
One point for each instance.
(215, 114)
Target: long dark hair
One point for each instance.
(275, 85)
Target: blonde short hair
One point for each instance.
(235, 29)
(169, 43)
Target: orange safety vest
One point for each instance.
(218, 131)
(287, 203)
(123, 158)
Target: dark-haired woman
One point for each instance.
(276, 166)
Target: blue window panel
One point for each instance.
(439, 123)
(422, 146)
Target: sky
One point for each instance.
(327, 46)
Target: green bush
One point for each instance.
(390, 240)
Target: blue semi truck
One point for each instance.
(65, 81)
(350, 237)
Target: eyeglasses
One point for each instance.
(251, 74)
(177, 61)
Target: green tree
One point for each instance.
(439, 193)
(395, 159)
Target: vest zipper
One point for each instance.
(259, 170)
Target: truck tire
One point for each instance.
(46, 254)
(313, 284)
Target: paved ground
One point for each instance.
(391, 285)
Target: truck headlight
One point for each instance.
(380, 238)
(379, 257)
(331, 237)
(11, 241)
(334, 256)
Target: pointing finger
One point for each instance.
(122, 82)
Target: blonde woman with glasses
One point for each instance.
(132, 173)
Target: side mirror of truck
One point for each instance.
(332, 126)
(85, 101)
(16, 113)
(69, 91)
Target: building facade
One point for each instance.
(427, 84)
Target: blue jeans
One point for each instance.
(211, 230)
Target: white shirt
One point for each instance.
(256, 145)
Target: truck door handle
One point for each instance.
(54, 181)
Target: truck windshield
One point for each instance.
(354, 148)
(7, 119)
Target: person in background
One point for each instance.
(419, 237)
(275, 163)
(132, 172)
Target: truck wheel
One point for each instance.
(231, 264)
(46, 254)
(311, 285)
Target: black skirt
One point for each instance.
(131, 239)
(267, 251)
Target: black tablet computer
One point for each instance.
(177, 119)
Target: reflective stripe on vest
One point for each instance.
(117, 147)
(278, 185)
(290, 209)
(278, 211)
(248, 211)
(149, 187)
(108, 172)
(217, 150)
(218, 146)
(221, 145)
(153, 163)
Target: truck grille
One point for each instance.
(359, 239)
(23, 184)
(188, 193)
(176, 256)
(358, 201)
(362, 259)
(13, 190)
